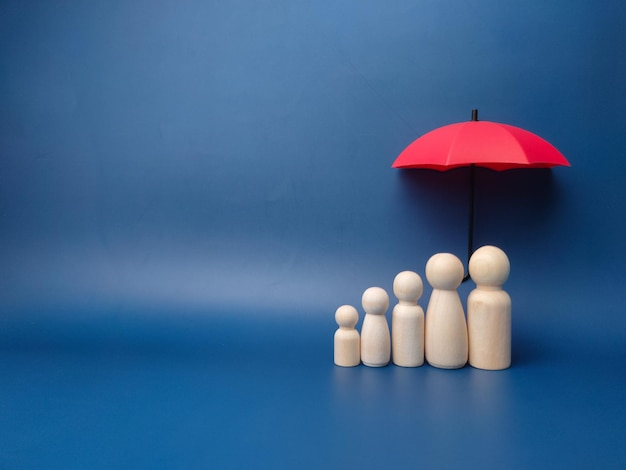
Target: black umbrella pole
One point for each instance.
(470, 234)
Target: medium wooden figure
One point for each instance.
(407, 321)
(375, 336)
(347, 339)
(446, 343)
(489, 310)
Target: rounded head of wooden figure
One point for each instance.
(346, 316)
(408, 286)
(444, 271)
(489, 266)
(375, 301)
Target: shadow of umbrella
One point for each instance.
(474, 144)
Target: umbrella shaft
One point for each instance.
(470, 234)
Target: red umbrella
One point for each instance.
(479, 143)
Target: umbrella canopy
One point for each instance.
(482, 143)
(479, 143)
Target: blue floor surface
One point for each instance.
(232, 391)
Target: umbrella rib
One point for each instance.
(452, 145)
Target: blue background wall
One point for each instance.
(209, 157)
(208, 153)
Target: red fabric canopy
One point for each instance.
(482, 143)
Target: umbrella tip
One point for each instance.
(474, 115)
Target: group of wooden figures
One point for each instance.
(443, 336)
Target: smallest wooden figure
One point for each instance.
(489, 310)
(347, 339)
